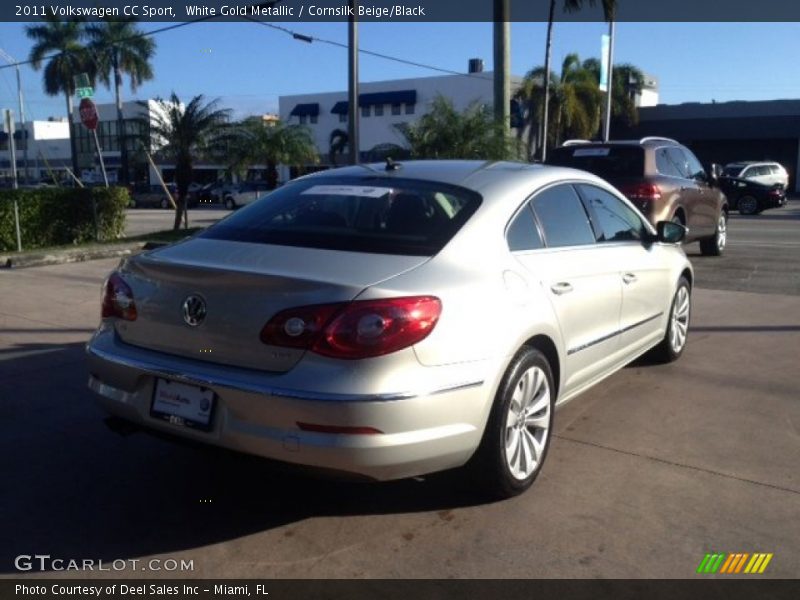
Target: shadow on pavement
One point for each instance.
(748, 328)
(74, 489)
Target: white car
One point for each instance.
(767, 173)
(244, 194)
(392, 321)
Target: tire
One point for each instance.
(748, 205)
(672, 346)
(164, 203)
(229, 203)
(715, 245)
(513, 449)
(132, 203)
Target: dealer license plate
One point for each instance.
(183, 404)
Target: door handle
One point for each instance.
(561, 288)
(629, 278)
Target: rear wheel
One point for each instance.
(164, 203)
(517, 436)
(748, 205)
(229, 203)
(715, 245)
(672, 346)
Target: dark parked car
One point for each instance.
(750, 197)
(151, 196)
(662, 178)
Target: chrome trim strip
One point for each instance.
(611, 335)
(232, 383)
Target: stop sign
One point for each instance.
(88, 112)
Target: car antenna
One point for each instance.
(391, 165)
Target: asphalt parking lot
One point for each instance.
(647, 472)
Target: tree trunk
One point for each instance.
(183, 177)
(272, 174)
(72, 145)
(123, 150)
(547, 57)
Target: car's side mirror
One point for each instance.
(669, 232)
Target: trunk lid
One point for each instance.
(242, 286)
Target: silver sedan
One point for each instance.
(394, 320)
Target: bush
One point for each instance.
(61, 216)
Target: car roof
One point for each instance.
(645, 141)
(471, 174)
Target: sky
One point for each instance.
(248, 66)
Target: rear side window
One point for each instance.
(367, 214)
(523, 234)
(617, 221)
(562, 217)
(775, 169)
(665, 164)
(605, 161)
(678, 159)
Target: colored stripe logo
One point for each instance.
(729, 564)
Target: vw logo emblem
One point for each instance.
(194, 310)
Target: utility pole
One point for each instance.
(9, 127)
(352, 83)
(609, 85)
(12, 61)
(502, 88)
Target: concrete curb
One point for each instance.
(70, 255)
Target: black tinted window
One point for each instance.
(617, 222)
(732, 171)
(605, 161)
(563, 217)
(522, 234)
(370, 214)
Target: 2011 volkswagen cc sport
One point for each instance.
(394, 320)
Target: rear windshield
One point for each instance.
(373, 214)
(732, 170)
(604, 161)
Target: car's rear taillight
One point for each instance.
(360, 329)
(118, 299)
(642, 191)
(777, 192)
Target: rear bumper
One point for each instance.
(423, 430)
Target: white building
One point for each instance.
(382, 106)
(48, 152)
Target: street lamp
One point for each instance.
(12, 61)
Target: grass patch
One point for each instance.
(165, 236)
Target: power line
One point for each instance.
(310, 38)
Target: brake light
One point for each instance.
(354, 330)
(642, 191)
(118, 299)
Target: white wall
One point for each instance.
(461, 89)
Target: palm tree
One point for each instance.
(578, 102)
(609, 8)
(444, 132)
(273, 144)
(119, 49)
(575, 98)
(626, 82)
(337, 143)
(182, 132)
(59, 43)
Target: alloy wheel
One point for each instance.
(527, 423)
(679, 325)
